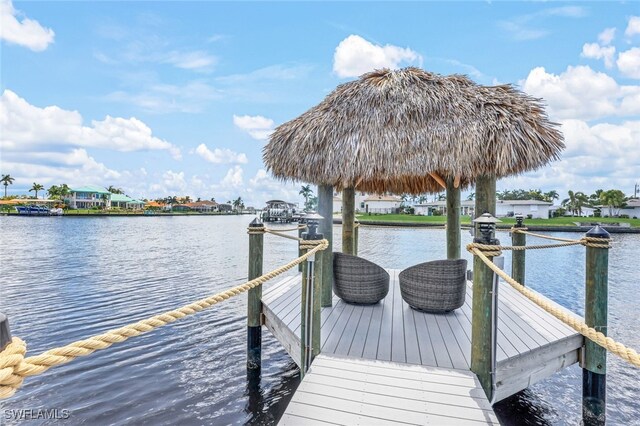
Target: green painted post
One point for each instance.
(518, 256)
(254, 303)
(594, 365)
(325, 209)
(453, 220)
(348, 218)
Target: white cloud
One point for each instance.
(629, 62)
(174, 181)
(582, 93)
(596, 51)
(27, 32)
(272, 72)
(257, 126)
(606, 36)
(28, 127)
(234, 178)
(168, 98)
(522, 27)
(355, 56)
(633, 27)
(221, 156)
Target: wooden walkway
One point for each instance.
(352, 391)
(531, 343)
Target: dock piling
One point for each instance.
(518, 256)
(484, 309)
(594, 363)
(325, 209)
(254, 303)
(5, 331)
(310, 299)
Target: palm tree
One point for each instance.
(6, 181)
(238, 203)
(551, 195)
(575, 202)
(112, 189)
(472, 196)
(36, 187)
(613, 198)
(306, 192)
(54, 191)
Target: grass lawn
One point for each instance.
(466, 220)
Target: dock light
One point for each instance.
(312, 220)
(519, 220)
(487, 227)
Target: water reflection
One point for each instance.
(68, 278)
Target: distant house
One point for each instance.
(180, 207)
(205, 206)
(382, 204)
(360, 205)
(467, 208)
(224, 207)
(125, 202)
(534, 208)
(88, 196)
(631, 209)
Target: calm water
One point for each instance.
(63, 279)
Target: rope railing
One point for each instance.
(624, 352)
(14, 367)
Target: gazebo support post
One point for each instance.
(348, 218)
(483, 316)
(325, 209)
(453, 220)
(485, 195)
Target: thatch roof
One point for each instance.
(387, 130)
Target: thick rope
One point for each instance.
(585, 241)
(14, 367)
(569, 319)
(280, 234)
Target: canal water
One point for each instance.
(63, 279)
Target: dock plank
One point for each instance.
(356, 391)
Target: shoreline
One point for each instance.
(545, 228)
(88, 215)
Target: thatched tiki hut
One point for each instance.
(412, 131)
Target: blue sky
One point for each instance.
(178, 98)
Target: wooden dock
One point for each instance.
(531, 344)
(350, 391)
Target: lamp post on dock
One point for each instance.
(594, 362)
(484, 308)
(254, 302)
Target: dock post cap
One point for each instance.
(598, 232)
(256, 223)
(5, 332)
(519, 220)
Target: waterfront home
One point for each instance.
(87, 197)
(125, 202)
(429, 209)
(224, 207)
(360, 198)
(533, 209)
(382, 204)
(205, 206)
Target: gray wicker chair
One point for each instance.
(357, 280)
(437, 286)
